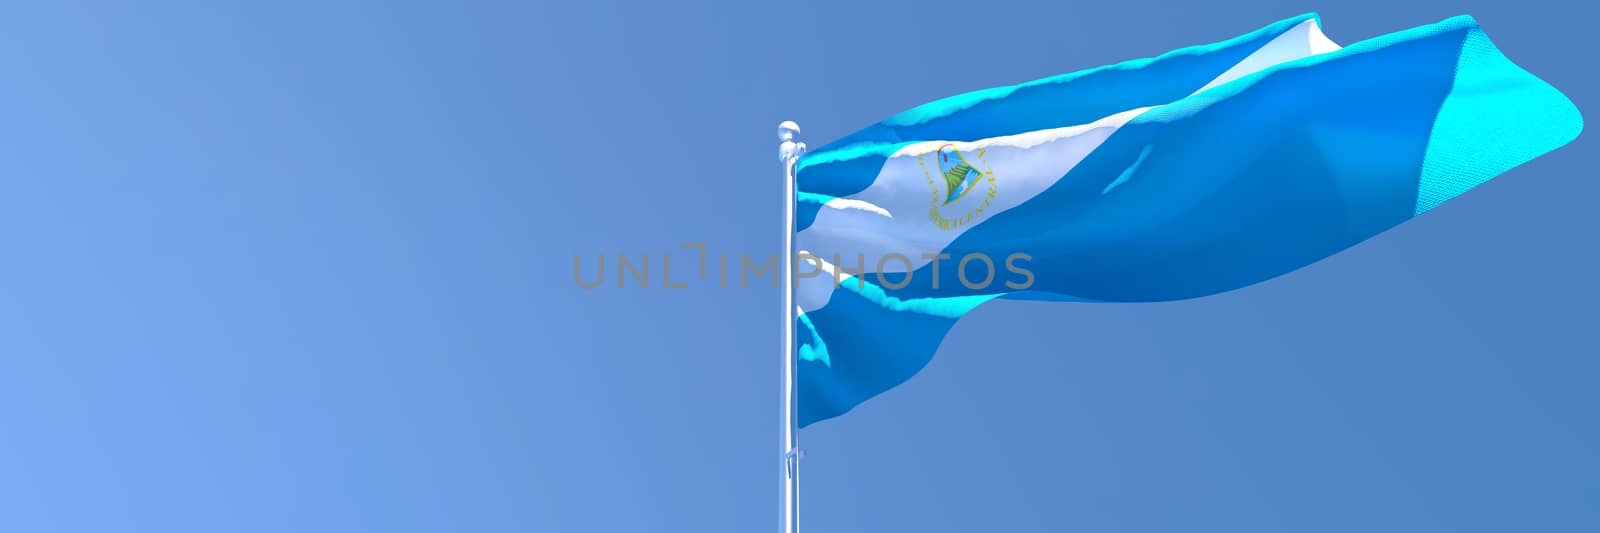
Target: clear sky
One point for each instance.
(307, 266)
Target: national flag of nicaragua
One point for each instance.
(1200, 171)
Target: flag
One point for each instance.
(1196, 172)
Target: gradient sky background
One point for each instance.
(307, 266)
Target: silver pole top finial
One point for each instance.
(788, 130)
(789, 146)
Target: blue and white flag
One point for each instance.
(1199, 171)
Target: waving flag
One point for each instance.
(1196, 172)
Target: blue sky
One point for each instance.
(306, 266)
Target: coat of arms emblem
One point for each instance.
(954, 176)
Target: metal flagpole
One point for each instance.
(789, 151)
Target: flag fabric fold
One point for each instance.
(1195, 172)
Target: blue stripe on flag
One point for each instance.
(1238, 184)
(839, 168)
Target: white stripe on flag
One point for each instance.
(901, 212)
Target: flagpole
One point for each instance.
(789, 151)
